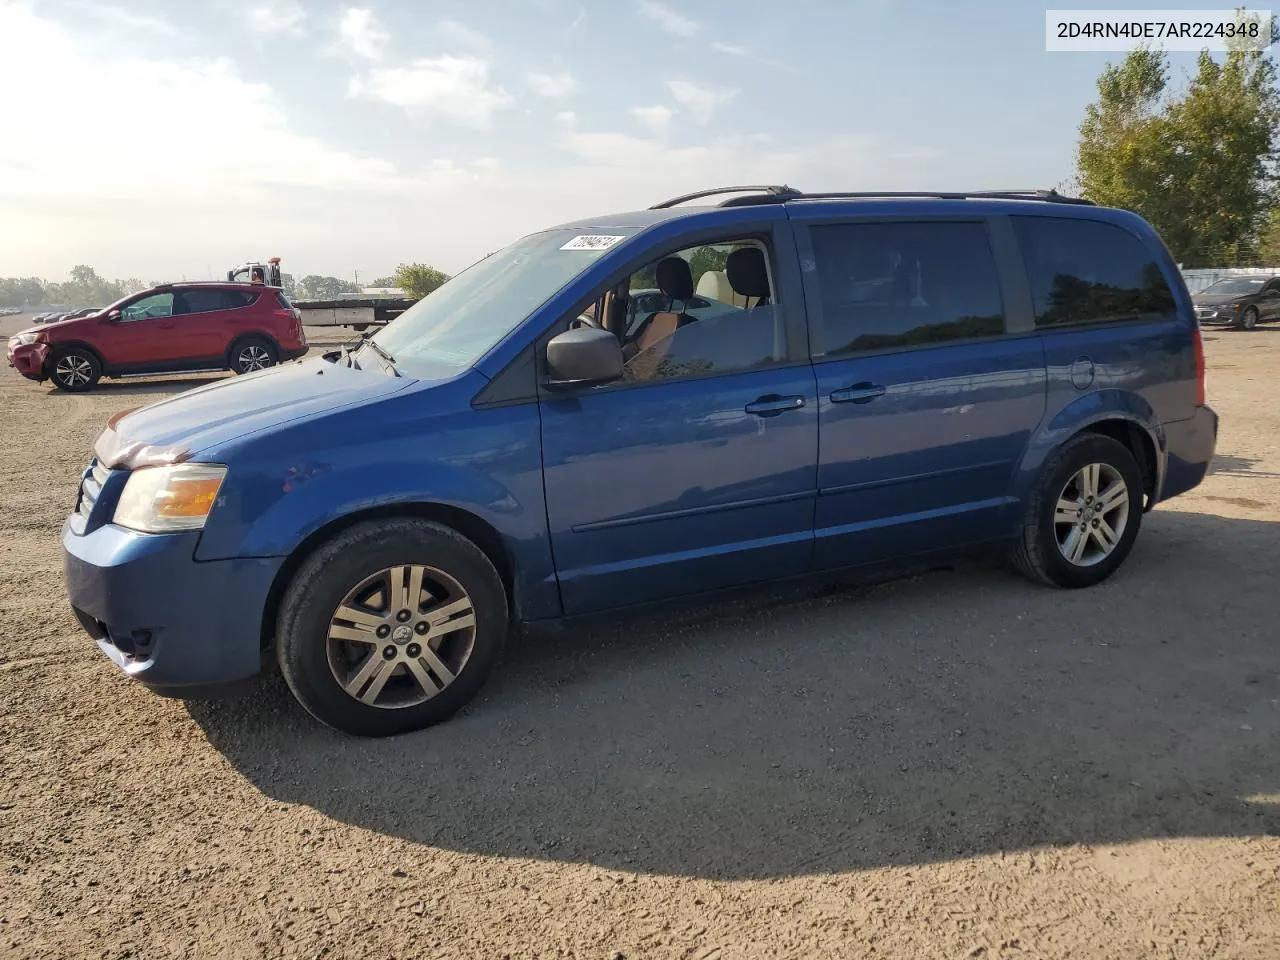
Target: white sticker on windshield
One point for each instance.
(591, 243)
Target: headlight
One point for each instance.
(26, 338)
(169, 499)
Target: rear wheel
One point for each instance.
(252, 353)
(74, 369)
(1084, 514)
(391, 626)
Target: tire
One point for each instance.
(1249, 319)
(74, 369)
(320, 663)
(252, 354)
(1045, 541)
(359, 327)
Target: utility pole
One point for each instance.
(357, 276)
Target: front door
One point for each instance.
(928, 394)
(698, 470)
(144, 336)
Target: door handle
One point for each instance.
(771, 405)
(858, 393)
(164, 326)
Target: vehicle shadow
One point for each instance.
(808, 731)
(140, 387)
(1237, 467)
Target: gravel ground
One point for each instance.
(956, 765)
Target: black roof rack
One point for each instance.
(775, 193)
(785, 194)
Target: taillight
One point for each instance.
(1198, 345)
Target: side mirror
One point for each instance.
(583, 357)
(113, 316)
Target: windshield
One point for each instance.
(451, 328)
(1236, 285)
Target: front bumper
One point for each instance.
(28, 359)
(1217, 317)
(1191, 443)
(184, 628)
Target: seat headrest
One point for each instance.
(675, 279)
(747, 273)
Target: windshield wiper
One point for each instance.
(381, 351)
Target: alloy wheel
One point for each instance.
(1091, 515)
(73, 370)
(401, 636)
(253, 357)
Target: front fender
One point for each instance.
(487, 463)
(1081, 414)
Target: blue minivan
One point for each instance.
(822, 382)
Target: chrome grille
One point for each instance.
(91, 488)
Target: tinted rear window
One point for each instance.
(202, 301)
(1085, 271)
(889, 285)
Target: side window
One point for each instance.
(703, 311)
(1085, 271)
(204, 301)
(894, 285)
(156, 305)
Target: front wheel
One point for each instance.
(251, 354)
(390, 627)
(1084, 514)
(1249, 319)
(74, 369)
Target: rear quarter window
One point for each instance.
(204, 301)
(1086, 271)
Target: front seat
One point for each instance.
(762, 331)
(675, 280)
(748, 275)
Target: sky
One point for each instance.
(162, 139)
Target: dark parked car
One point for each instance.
(1242, 302)
(897, 379)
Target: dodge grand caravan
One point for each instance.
(890, 377)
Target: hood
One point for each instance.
(180, 426)
(1217, 299)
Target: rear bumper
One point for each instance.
(181, 627)
(293, 353)
(1191, 443)
(29, 359)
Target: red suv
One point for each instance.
(175, 327)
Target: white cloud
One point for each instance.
(746, 53)
(701, 102)
(671, 21)
(121, 18)
(454, 87)
(458, 34)
(281, 16)
(203, 204)
(360, 33)
(566, 117)
(654, 118)
(552, 84)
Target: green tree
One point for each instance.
(384, 282)
(1198, 165)
(1269, 242)
(323, 288)
(288, 285)
(418, 279)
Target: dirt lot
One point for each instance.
(959, 765)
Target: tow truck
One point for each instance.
(354, 310)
